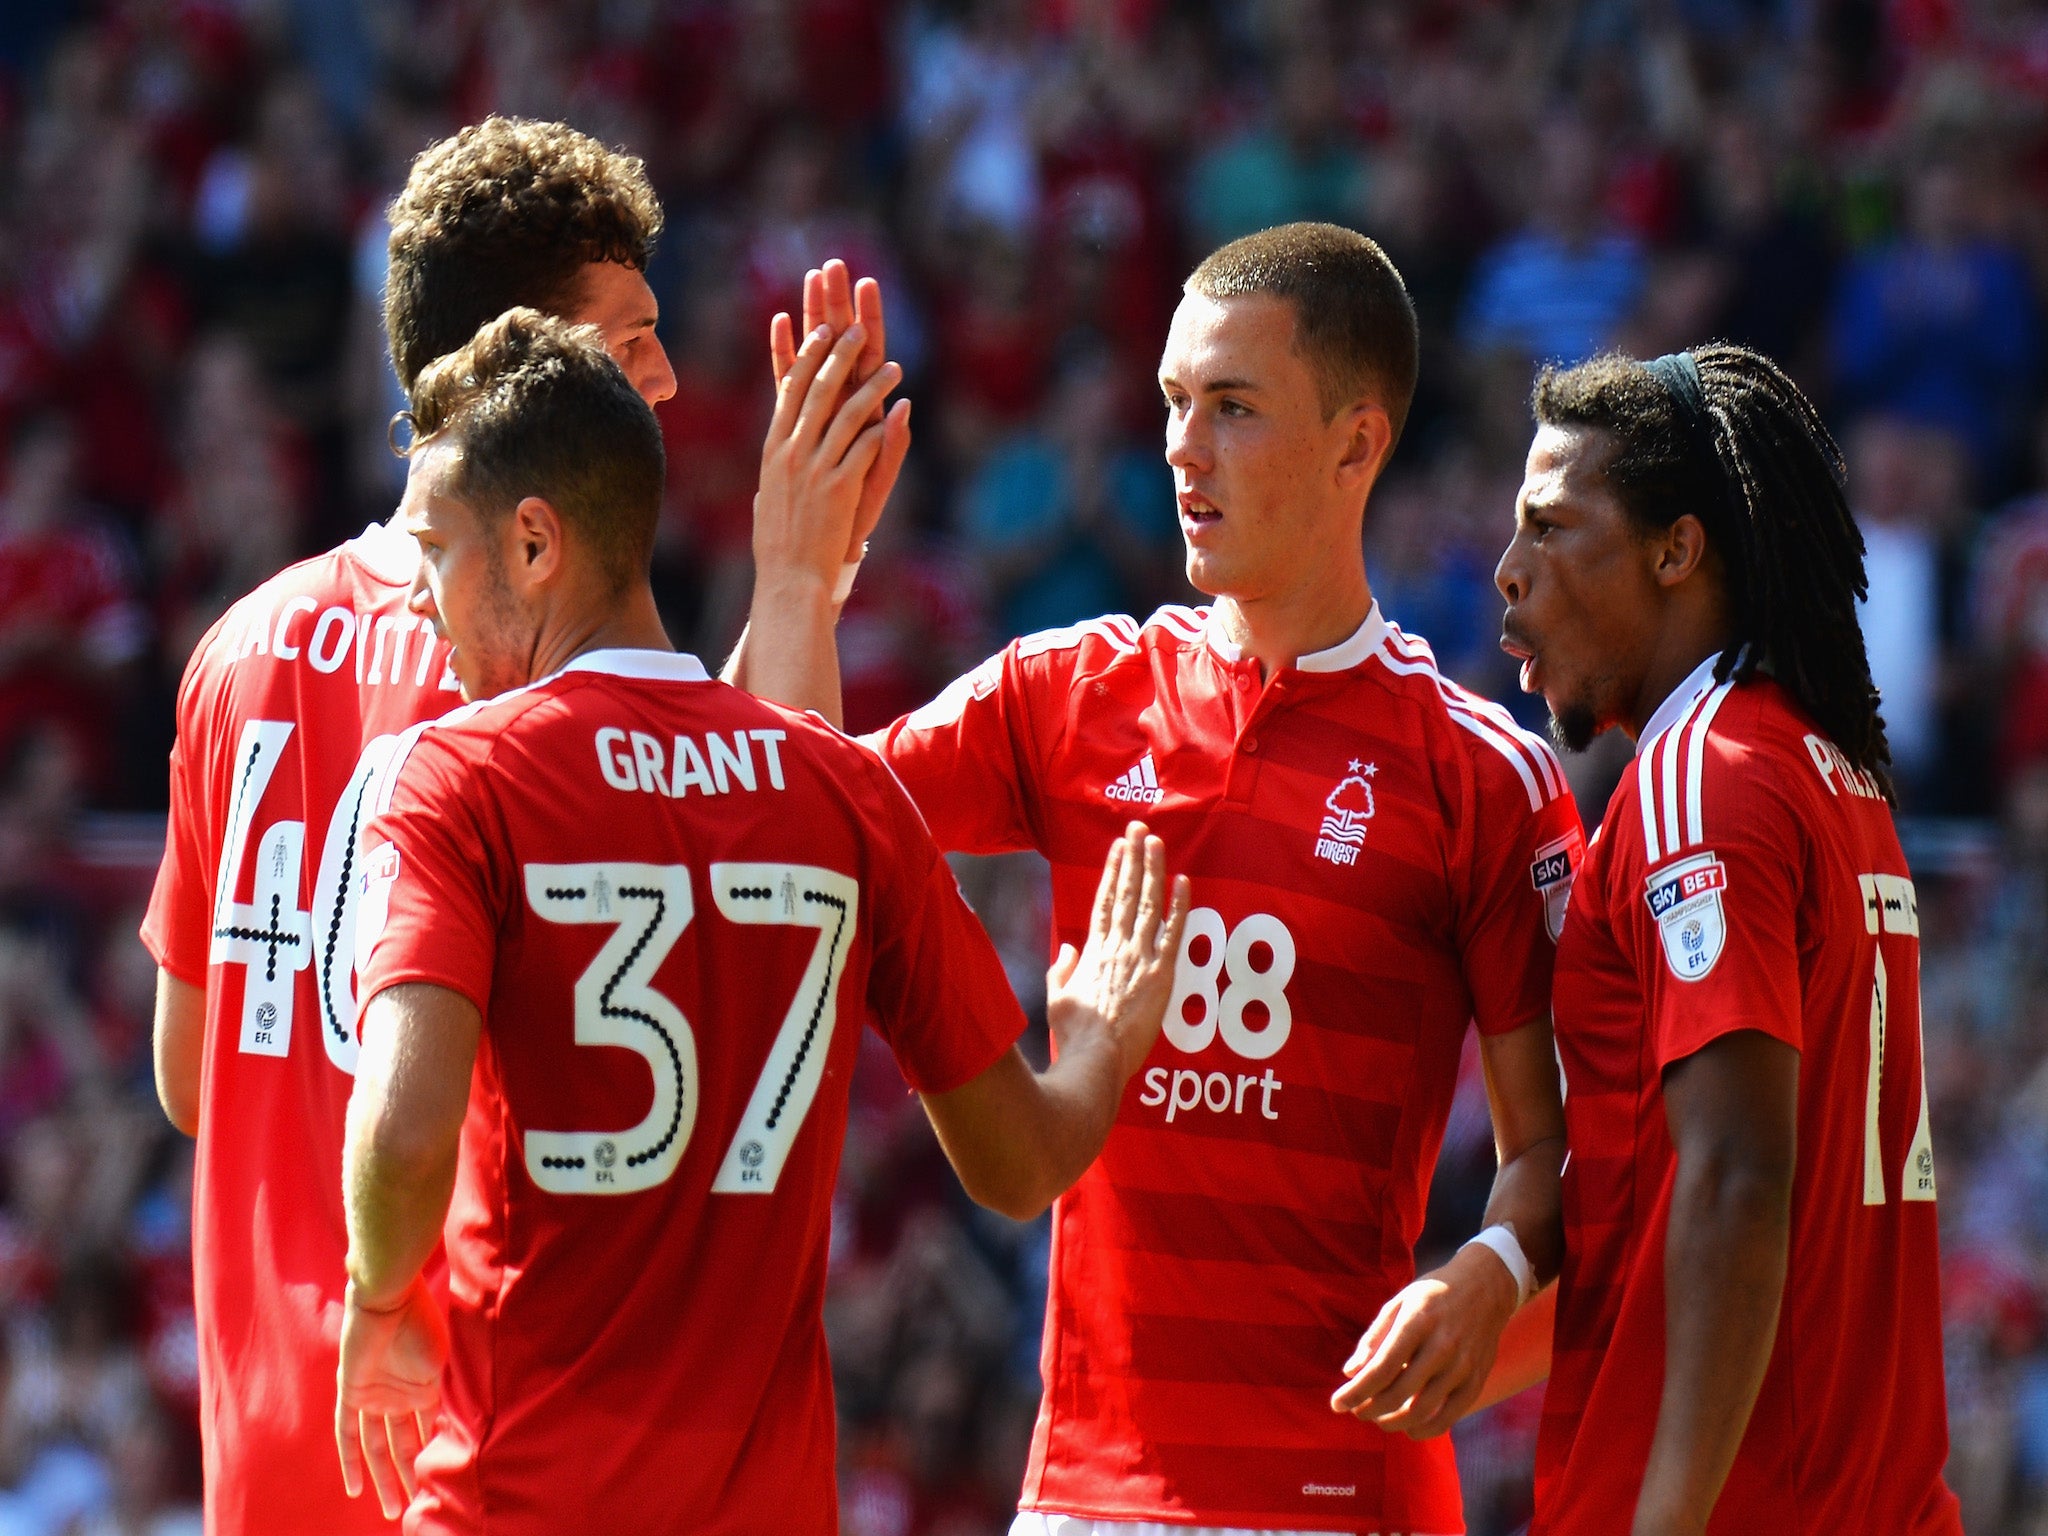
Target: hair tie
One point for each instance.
(1679, 373)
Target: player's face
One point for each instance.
(1255, 465)
(616, 299)
(462, 584)
(1581, 600)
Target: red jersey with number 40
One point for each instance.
(1378, 859)
(673, 905)
(1748, 877)
(255, 902)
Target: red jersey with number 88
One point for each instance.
(1378, 859)
(288, 704)
(673, 905)
(1747, 876)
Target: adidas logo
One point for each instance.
(1139, 785)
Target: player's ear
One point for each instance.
(536, 539)
(1681, 551)
(1368, 438)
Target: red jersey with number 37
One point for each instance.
(1748, 877)
(1378, 859)
(673, 905)
(255, 902)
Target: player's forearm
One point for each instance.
(177, 1043)
(1724, 1276)
(397, 1198)
(404, 1130)
(789, 653)
(1019, 1139)
(1527, 1196)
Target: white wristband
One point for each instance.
(843, 587)
(1501, 1239)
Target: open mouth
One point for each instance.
(1197, 511)
(1525, 654)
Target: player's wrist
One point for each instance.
(376, 1301)
(783, 583)
(1500, 1241)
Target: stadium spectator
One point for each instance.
(1940, 325)
(1558, 290)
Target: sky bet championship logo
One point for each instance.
(1350, 806)
(1685, 899)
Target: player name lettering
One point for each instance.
(387, 648)
(639, 763)
(1836, 770)
(1182, 1091)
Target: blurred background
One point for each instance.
(193, 392)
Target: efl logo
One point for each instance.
(1685, 899)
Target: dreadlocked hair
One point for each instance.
(1761, 472)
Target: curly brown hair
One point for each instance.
(539, 408)
(506, 213)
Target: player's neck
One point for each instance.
(1675, 654)
(1279, 629)
(628, 623)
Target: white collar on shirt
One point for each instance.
(655, 666)
(1675, 702)
(1340, 657)
(392, 555)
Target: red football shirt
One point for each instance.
(255, 903)
(1378, 859)
(1747, 877)
(673, 905)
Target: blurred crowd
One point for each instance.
(193, 392)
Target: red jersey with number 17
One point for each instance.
(1378, 860)
(1747, 876)
(673, 905)
(255, 903)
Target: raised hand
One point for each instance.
(831, 299)
(388, 1392)
(1122, 977)
(819, 453)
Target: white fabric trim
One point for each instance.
(1346, 654)
(1031, 1522)
(1675, 702)
(653, 666)
(390, 554)
(1341, 657)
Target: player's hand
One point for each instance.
(834, 301)
(817, 457)
(1425, 1357)
(1122, 977)
(388, 1393)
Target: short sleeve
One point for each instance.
(1523, 861)
(936, 988)
(1718, 918)
(176, 928)
(969, 758)
(431, 905)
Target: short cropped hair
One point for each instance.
(1353, 320)
(507, 212)
(537, 407)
